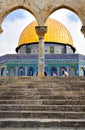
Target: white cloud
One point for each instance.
(73, 24)
(13, 28)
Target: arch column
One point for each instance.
(1, 30)
(83, 30)
(41, 30)
(0, 71)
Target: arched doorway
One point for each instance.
(53, 69)
(31, 71)
(72, 71)
(3, 72)
(81, 71)
(12, 71)
(21, 71)
(61, 70)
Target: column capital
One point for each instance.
(83, 30)
(41, 30)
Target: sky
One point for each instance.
(14, 23)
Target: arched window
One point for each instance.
(21, 72)
(72, 71)
(53, 69)
(3, 72)
(51, 49)
(28, 50)
(81, 72)
(30, 71)
(12, 71)
(61, 70)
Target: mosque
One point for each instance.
(59, 52)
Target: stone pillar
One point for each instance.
(41, 30)
(1, 30)
(83, 30)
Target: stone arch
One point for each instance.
(9, 24)
(64, 7)
(67, 8)
(42, 9)
(74, 8)
(12, 8)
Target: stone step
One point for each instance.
(56, 108)
(42, 79)
(38, 123)
(47, 79)
(53, 86)
(45, 94)
(44, 97)
(26, 90)
(42, 114)
(43, 102)
(44, 91)
(52, 79)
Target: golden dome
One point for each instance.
(56, 33)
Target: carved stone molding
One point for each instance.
(41, 30)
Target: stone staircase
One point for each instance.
(42, 102)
